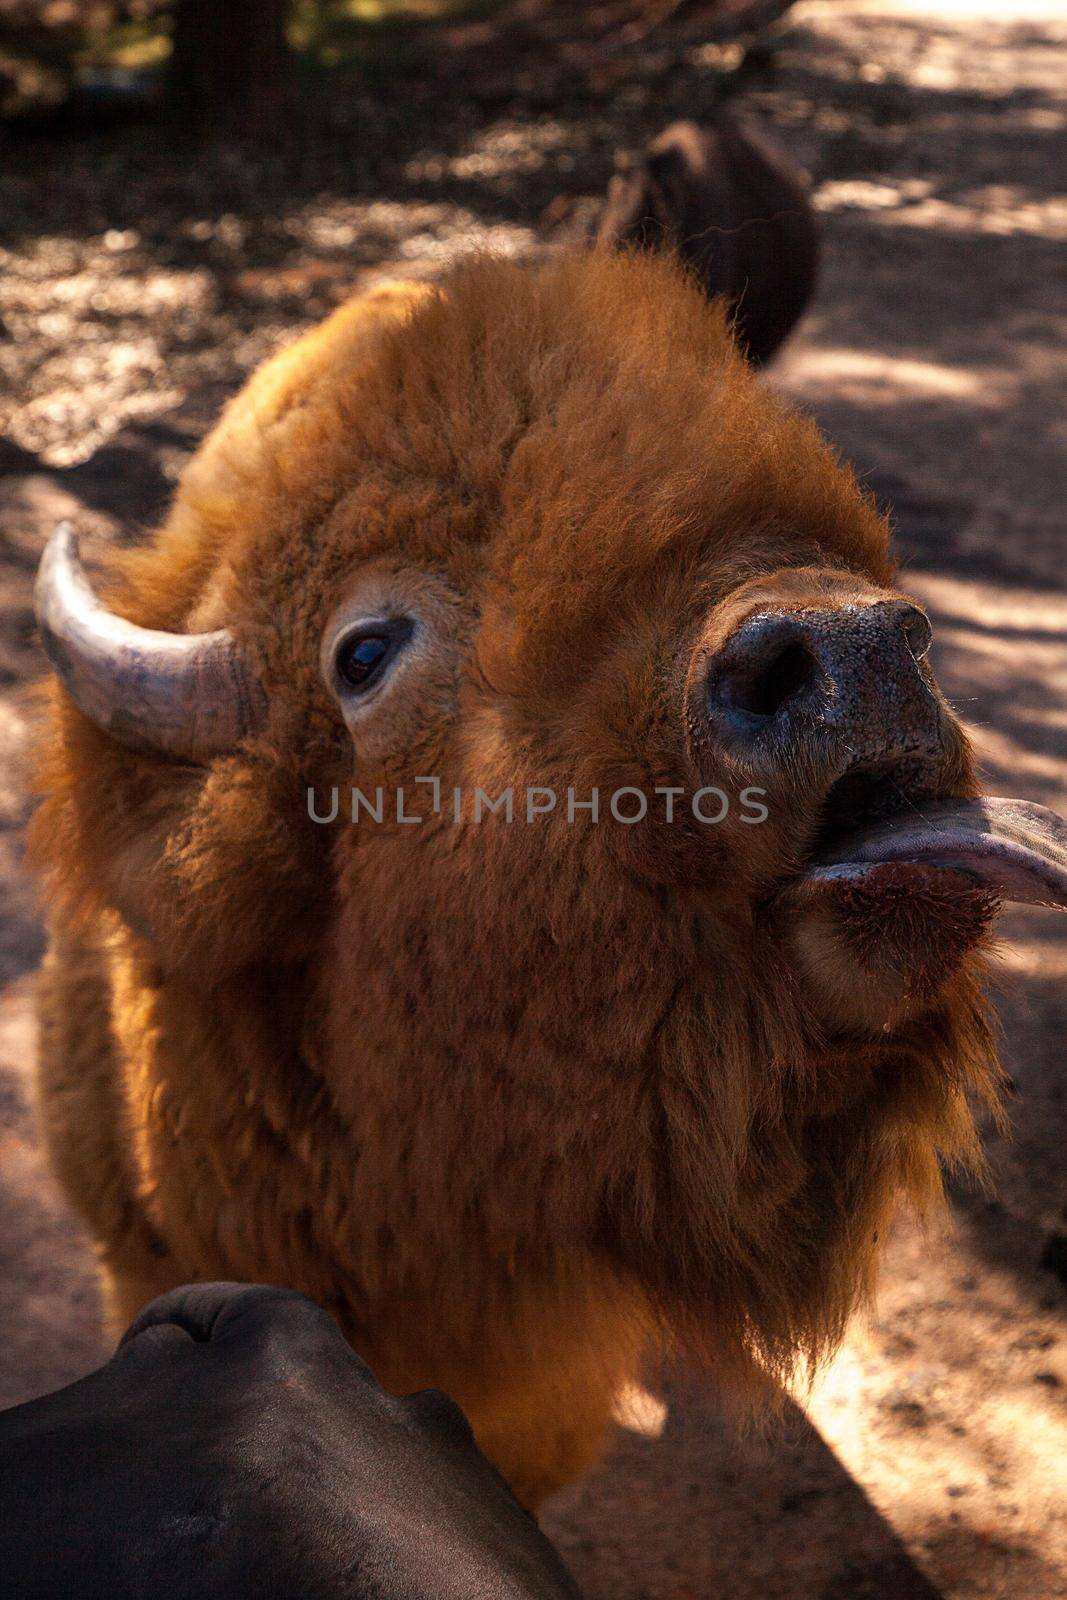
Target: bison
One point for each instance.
(737, 209)
(526, 1094)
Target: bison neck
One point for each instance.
(248, 1166)
(495, 1182)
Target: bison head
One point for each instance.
(544, 533)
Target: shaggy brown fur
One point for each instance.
(516, 1103)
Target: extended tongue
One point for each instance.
(1016, 850)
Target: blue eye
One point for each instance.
(360, 660)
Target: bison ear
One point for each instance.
(210, 869)
(676, 162)
(642, 206)
(239, 877)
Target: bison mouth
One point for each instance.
(1010, 849)
(898, 893)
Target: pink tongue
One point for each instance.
(1018, 851)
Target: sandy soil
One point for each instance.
(931, 1459)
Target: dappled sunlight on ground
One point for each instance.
(861, 376)
(1000, 209)
(641, 1412)
(950, 1405)
(1001, 656)
(999, 11)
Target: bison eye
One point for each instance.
(362, 657)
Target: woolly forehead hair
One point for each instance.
(576, 421)
(600, 390)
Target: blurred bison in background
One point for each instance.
(736, 208)
(520, 1099)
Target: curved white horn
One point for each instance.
(186, 695)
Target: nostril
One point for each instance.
(850, 676)
(762, 689)
(917, 632)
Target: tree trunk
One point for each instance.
(231, 61)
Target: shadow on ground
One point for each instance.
(691, 1511)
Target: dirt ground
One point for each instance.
(138, 285)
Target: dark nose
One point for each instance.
(851, 674)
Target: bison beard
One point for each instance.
(520, 1105)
